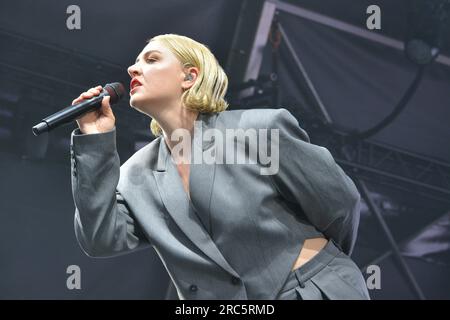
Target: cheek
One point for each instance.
(161, 79)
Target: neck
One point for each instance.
(177, 118)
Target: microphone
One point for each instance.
(115, 90)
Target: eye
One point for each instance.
(150, 60)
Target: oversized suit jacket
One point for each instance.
(241, 232)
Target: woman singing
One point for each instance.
(278, 229)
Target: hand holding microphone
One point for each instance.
(99, 120)
(92, 111)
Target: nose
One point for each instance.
(133, 70)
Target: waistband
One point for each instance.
(312, 267)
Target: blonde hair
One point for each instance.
(208, 91)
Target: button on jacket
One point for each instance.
(256, 223)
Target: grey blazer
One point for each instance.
(240, 234)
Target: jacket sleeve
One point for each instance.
(104, 224)
(309, 177)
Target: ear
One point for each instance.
(187, 83)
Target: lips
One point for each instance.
(134, 83)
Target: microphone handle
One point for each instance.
(68, 114)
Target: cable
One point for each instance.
(397, 110)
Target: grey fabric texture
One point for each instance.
(329, 275)
(240, 234)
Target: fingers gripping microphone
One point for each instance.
(115, 90)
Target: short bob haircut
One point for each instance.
(207, 93)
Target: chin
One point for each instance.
(136, 101)
(139, 105)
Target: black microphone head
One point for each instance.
(116, 91)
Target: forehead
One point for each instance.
(154, 46)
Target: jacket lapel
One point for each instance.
(201, 179)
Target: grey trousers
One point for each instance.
(329, 275)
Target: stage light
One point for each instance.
(428, 32)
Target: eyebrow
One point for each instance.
(146, 53)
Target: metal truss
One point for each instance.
(385, 164)
(365, 160)
(249, 40)
(346, 27)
